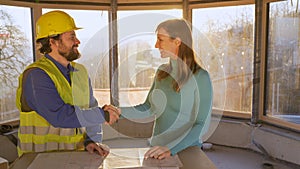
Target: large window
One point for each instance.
(138, 58)
(16, 52)
(94, 48)
(283, 63)
(224, 42)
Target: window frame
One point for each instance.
(261, 11)
(264, 57)
(197, 5)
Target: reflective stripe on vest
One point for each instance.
(35, 133)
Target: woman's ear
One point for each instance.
(177, 41)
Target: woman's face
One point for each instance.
(168, 47)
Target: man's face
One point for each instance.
(68, 45)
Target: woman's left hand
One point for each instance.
(158, 152)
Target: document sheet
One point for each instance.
(133, 158)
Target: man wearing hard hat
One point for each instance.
(55, 96)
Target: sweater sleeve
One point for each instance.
(140, 111)
(204, 105)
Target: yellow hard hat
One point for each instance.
(54, 23)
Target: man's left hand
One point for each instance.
(101, 149)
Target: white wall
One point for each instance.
(278, 143)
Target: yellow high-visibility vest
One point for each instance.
(35, 133)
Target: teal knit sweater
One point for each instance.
(181, 117)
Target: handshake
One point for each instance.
(111, 114)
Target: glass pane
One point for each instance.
(283, 67)
(138, 58)
(16, 52)
(224, 41)
(94, 48)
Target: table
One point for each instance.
(118, 158)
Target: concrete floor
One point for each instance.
(236, 158)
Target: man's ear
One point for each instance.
(178, 41)
(53, 42)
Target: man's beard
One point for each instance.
(70, 55)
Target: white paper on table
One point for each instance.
(133, 158)
(66, 160)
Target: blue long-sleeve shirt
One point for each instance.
(181, 117)
(42, 96)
